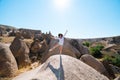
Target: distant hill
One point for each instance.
(6, 27)
(110, 40)
(11, 31)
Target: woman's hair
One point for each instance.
(60, 35)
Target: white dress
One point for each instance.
(61, 41)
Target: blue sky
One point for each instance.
(82, 18)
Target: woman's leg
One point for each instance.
(60, 48)
(54, 47)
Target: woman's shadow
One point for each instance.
(59, 73)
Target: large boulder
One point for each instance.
(109, 69)
(28, 33)
(8, 65)
(116, 40)
(20, 51)
(37, 49)
(115, 69)
(12, 33)
(39, 46)
(62, 68)
(118, 78)
(82, 49)
(97, 65)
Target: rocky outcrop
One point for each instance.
(20, 51)
(12, 33)
(91, 61)
(115, 69)
(8, 65)
(62, 68)
(42, 36)
(39, 46)
(116, 40)
(5, 29)
(82, 49)
(28, 33)
(109, 69)
(37, 49)
(1, 31)
(118, 78)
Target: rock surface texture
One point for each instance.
(62, 68)
(8, 65)
(20, 51)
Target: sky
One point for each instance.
(82, 18)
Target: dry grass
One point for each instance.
(28, 68)
(28, 40)
(10, 39)
(5, 78)
(6, 39)
(22, 70)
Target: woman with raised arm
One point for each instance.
(60, 43)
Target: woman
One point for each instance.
(59, 44)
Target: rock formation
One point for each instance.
(37, 49)
(62, 68)
(28, 33)
(8, 65)
(91, 61)
(20, 51)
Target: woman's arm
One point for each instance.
(65, 33)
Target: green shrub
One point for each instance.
(96, 51)
(86, 43)
(107, 58)
(116, 60)
(1, 39)
(113, 60)
(100, 47)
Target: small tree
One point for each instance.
(86, 43)
(113, 60)
(116, 60)
(96, 51)
(107, 58)
(1, 39)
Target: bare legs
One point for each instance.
(57, 45)
(60, 48)
(54, 47)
